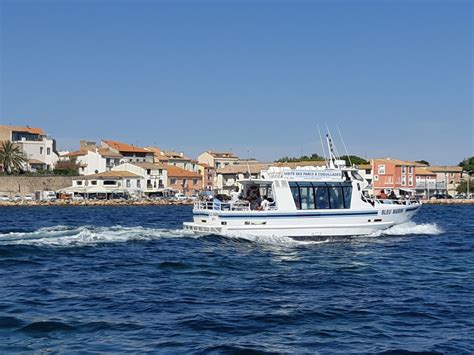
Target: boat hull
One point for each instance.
(301, 225)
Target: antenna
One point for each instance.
(248, 166)
(322, 145)
(344, 145)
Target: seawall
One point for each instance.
(22, 185)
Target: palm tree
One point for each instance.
(11, 157)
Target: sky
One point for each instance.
(253, 77)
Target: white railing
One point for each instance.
(222, 206)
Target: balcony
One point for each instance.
(430, 185)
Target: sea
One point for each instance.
(129, 279)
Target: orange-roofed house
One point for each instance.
(170, 157)
(130, 153)
(39, 149)
(184, 181)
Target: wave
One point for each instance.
(410, 228)
(64, 236)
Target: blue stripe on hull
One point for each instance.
(375, 213)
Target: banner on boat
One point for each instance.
(305, 174)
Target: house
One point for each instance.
(394, 174)
(130, 153)
(93, 160)
(106, 185)
(208, 174)
(426, 184)
(448, 178)
(38, 148)
(184, 181)
(171, 157)
(154, 176)
(217, 159)
(228, 176)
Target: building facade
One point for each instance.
(155, 176)
(217, 159)
(184, 181)
(38, 148)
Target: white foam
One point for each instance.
(87, 235)
(410, 228)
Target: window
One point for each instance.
(173, 181)
(357, 176)
(368, 171)
(381, 169)
(404, 169)
(195, 181)
(94, 182)
(306, 193)
(148, 171)
(296, 194)
(410, 180)
(41, 150)
(139, 183)
(376, 178)
(79, 183)
(160, 171)
(110, 182)
(404, 180)
(410, 170)
(347, 191)
(48, 151)
(322, 196)
(127, 183)
(335, 196)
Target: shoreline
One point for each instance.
(161, 203)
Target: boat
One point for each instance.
(302, 203)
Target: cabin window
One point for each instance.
(322, 196)
(306, 196)
(347, 193)
(357, 176)
(296, 194)
(335, 196)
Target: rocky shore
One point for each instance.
(97, 203)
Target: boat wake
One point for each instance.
(410, 228)
(63, 236)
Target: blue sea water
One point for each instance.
(129, 279)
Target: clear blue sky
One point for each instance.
(252, 76)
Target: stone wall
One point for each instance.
(22, 185)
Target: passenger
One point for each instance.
(383, 195)
(265, 204)
(234, 195)
(392, 196)
(216, 204)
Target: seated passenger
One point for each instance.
(265, 204)
(382, 195)
(234, 195)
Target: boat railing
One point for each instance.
(387, 201)
(230, 206)
(222, 206)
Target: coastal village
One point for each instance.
(113, 170)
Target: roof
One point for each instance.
(32, 130)
(174, 171)
(364, 166)
(151, 166)
(222, 154)
(77, 153)
(174, 155)
(399, 162)
(111, 175)
(423, 171)
(446, 169)
(106, 152)
(35, 161)
(243, 168)
(124, 147)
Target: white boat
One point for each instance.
(304, 202)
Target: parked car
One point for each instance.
(4, 198)
(440, 197)
(180, 196)
(16, 198)
(28, 197)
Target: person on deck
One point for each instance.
(234, 195)
(383, 195)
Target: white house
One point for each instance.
(39, 149)
(218, 159)
(107, 184)
(93, 160)
(154, 176)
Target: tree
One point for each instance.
(354, 159)
(11, 157)
(422, 162)
(313, 157)
(462, 188)
(468, 164)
